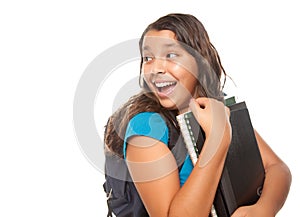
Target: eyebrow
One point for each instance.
(168, 45)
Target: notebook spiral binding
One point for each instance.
(189, 138)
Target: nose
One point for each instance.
(159, 65)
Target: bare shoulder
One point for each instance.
(143, 148)
(154, 170)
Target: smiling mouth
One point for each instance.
(165, 87)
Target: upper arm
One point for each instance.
(154, 170)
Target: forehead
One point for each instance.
(154, 38)
(161, 33)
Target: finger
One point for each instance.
(238, 213)
(202, 102)
(196, 109)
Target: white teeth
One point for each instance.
(164, 84)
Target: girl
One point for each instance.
(181, 70)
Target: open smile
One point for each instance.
(164, 88)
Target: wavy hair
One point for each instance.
(192, 36)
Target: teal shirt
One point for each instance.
(151, 124)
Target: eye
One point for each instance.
(147, 59)
(171, 55)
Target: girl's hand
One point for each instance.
(251, 211)
(213, 116)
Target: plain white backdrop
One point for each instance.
(45, 46)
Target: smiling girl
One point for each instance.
(181, 70)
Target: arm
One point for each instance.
(276, 186)
(160, 191)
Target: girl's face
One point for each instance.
(168, 69)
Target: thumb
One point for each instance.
(196, 109)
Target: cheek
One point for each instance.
(145, 72)
(192, 68)
(188, 81)
(175, 69)
(144, 68)
(185, 75)
(184, 67)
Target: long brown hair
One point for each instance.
(190, 32)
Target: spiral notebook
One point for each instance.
(243, 174)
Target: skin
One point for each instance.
(161, 192)
(166, 60)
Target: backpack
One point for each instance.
(123, 199)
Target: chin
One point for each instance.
(171, 105)
(168, 104)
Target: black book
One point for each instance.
(243, 174)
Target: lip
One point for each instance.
(164, 83)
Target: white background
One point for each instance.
(45, 47)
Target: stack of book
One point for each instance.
(243, 174)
